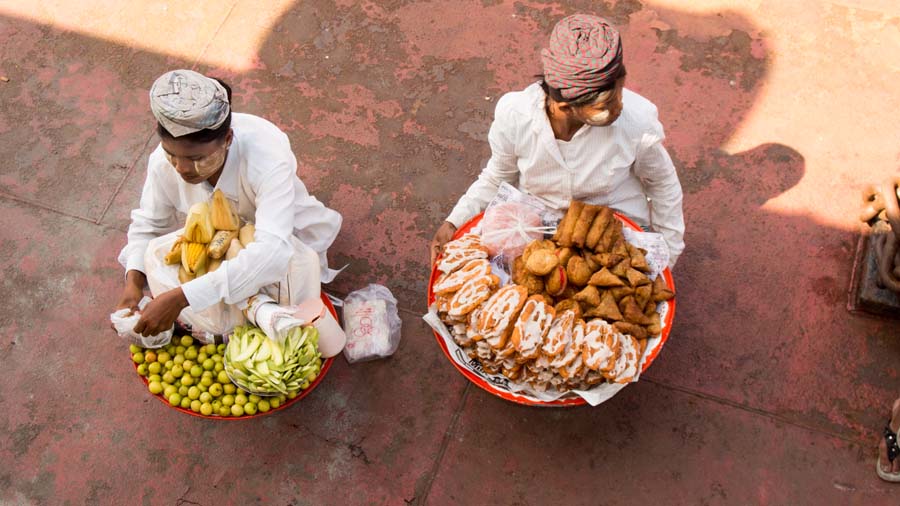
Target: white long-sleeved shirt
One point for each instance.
(620, 165)
(260, 164)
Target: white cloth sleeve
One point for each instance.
(500, 167)
(155, 216)
(265, 260)
(655, 169)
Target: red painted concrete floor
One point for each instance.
(768, 392)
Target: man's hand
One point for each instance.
(132, 293)
(441, 237)
(161, 313)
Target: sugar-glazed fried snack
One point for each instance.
(559, 335)
(452, 282)
(627, 361)
(601, 346)
(531, 328)
(472, 294)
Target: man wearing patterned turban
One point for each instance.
(578, 134)
(205, 147)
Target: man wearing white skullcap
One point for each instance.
(205, 147)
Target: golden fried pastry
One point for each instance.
(625, 368)
(636, 278)
(499, 313)
(472, 294)
(539, 244)
(541, 261)
(638, 260)
(531, 328)
(559, 335)
(591, 263)
(620, 292)
(521, 276)
(567, 225)
(452, 282)
(619, 246)
(585, 219)
(601, 346)
(568, 305)
(577, 271)
(642, 295)
(588, 297)
(605, 278)
(546, 298)
(608, 260)
(631, 329)
(563, 224)
(603, 219)
(507, 352)
(655, 327)
(472, 325)
(632, 312)
(607, 309)
(556, 281)
(573, 347)
(621, 268)
(661, 291)
(612, 234)
(564, 254)
(442, 302)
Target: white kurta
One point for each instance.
(620, 165)
(261, 165)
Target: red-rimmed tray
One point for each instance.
(485, 384)
(326, 364)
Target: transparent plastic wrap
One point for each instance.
(218, 319)
(513, 219)
(372, 324)
(124, 321)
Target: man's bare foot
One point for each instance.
(886, 465)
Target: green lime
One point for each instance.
(168, 377)
(223, 378)
(193, 393)
(224, 411)
(206, 409)
(163, 357)
(229, 388)
(190, 353)
(196, 371)
(216, 389)
(169, 364)
(210, 349)
(216, 358)
(179, 350)
(237, 410)
(178, 371)
(155, 387)
(220, 348)
(250, 408)
(291, 395)
(263, 405)
(228, 400)
(187, 364)
(220, 366)
(179, 359)
(183, 390)
(154, 377)
(202, 387)
(142, 369)
(185, 402)
(204, 396)
(274, 402)
(187, 341)
(138, 358)
(208, 374)
(150, 356)
(206, 381)
(168, 390)
(208, 364)
(195, 406)
(135, 349)
(154, 367)
(187, 379)
(175, 399)
(201, 356)
(240, 399)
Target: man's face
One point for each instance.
(195, 162)
(602, 113)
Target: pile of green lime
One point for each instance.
(192, 376)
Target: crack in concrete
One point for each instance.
(445, 442)
(354, 447)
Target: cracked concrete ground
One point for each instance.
(768, 391)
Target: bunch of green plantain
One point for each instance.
(264, 366)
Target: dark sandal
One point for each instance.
(890, 438)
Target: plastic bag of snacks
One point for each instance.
(512, 220)
(124, 321)
(372, 324)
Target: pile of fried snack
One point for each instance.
(578, 312)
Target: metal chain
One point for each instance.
(881, 210)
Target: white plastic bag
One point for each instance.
(512, 220)
(124, 321)
(372, 324)
(217, 319)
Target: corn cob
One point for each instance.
(223, 215)
(174, 255)
(193, 257)
(220, 242)
(198, 226)
(246, 234)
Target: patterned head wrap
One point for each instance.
(184, 102)
(585, 54)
